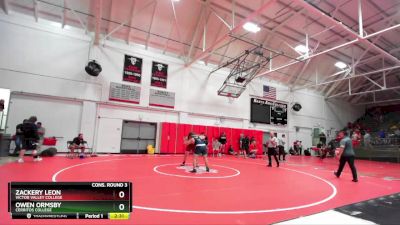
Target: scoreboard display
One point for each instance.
(70, 200)
(268, 112)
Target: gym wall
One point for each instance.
(47, 61)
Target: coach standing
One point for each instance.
(346, 154)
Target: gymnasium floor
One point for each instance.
(236, 191)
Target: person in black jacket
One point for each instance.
(30, 139)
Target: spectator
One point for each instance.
(367, 140)
(242, 143)
(272, 144)
(19, 136)
(216, 147)
(322, 138)
(41, 132)
(281, 147)
(246, 144)
(30, 139)
(381, 134)
(397, 133)
(78, 142)
(253, 148)
(231, 151)
(222, 139)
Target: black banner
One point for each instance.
(159, 75)
(132, 69)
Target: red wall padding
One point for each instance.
(212, 133)
(182, 131)
(168, 137)
(172, 136)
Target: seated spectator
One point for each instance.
(397, 133)
(231, 151)
(77, 143)
(382, 134)
(253, 149)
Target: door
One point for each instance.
(136, 136)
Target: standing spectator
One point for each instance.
(30, 139)
(367, 140)
(19, 136)
(281, 147)
(346, 154)
(322, 138)
(241, 145)
(222, 139)
(216, 148)
(246, 145)
(41, 133)
(272, 144)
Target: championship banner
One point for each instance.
(159, 75)
(124, 93)
(132, 69)
(162, 98)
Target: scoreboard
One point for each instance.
(268, 112)
(70, 200)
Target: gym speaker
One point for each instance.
(296, 107)
(93, 68)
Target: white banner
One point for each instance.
(124, 93)
(162, 98)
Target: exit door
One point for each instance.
(136, 136)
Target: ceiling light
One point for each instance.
(340, 65)
(301, 49)
(251, 27)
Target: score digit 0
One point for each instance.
(121, 194)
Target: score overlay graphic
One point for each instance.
(70, 200)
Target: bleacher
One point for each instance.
(382, 149)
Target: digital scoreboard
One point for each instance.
(268, 112)
(70, 200)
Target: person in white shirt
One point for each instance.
(272, 144)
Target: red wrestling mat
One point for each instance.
(235, 191)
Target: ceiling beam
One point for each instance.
(376, 102)
(363, 39)
(130, 18)
(196, 32)
(349, 77)
(64, 15)
(124, 24)
(36, 10)
(151, 24)
(98, 15)
(5, 6)
(232, 31)
(177, 27)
